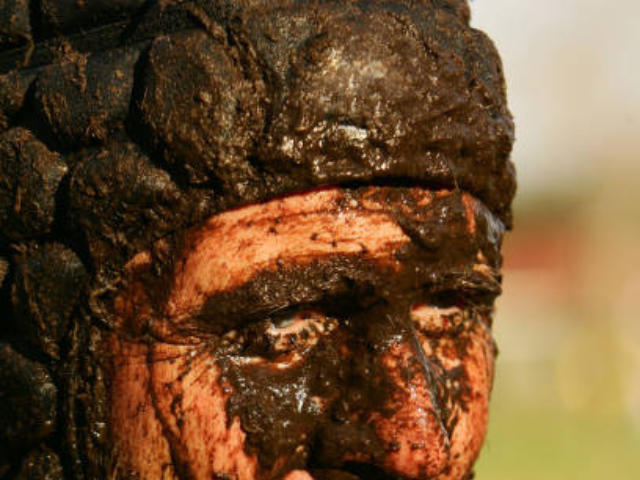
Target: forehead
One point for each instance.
(232, 247)
(373, 226)
(274, 98)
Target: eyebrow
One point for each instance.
(340, 284)
(439, 263)
(273, 291)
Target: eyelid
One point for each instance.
(264, 340)
(288, 312)
(333, 304)
(312, 324)
(437, 321)
(284, 323)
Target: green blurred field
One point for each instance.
(539, 445)
(566, 400)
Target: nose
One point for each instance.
(414, 434)
(387, 415)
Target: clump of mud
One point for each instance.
(125, 122)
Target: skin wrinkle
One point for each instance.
(228, 441)
(181, 467)
(254, 256)
(183, 376)
(136, 133)
(478, 362)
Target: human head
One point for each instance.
(340, 172)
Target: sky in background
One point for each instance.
(573, 77)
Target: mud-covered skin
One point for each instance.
(390, 366)
(89, 177)
(335, 93)
(308, 94)
(251, 100)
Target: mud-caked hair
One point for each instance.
(125, 122)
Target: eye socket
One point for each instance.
(436, 321)
(297, 331)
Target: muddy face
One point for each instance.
(334, 334)
(195, 282)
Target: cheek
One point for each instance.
(443, 442)
(140, 446)
(191, 405)
(169, 411)
(465, 376)
(169, 417)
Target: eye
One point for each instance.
(299, 331)
(437, 321)
(294, 332)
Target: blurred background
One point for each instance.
(566, 402)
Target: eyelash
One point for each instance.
(436, 321)
(278, 336)
(270, 335)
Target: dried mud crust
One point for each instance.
(124, 121)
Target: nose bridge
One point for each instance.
(407, 368)
(387, 412)
(388, 361)
(393, 391)
(424, 367)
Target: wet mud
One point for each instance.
(125, 123)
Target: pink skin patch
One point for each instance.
(168, 400)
